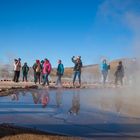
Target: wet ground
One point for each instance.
(87, 113)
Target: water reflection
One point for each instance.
(118, 101)
(36, 97)
(29, 112)
(15, 97)
(75, 102)
(23, 93)
(41, 97)
(59, 97)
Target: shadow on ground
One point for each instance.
(92, 131)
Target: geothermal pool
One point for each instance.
(74, 112)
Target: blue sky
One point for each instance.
(60, 29)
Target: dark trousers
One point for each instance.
(37, 77)
(42, 77)
(25, 77)
(45, 79)
(118, 78)
(16, 76)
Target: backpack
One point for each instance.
(38, 68)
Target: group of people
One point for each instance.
(43, 98)
(119, 73)
(42, 70)
(17, 68)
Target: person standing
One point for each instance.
(77, 69)
(60, 72)
(119, 74)
(17, 66)
(15, 70)
(18, 69)
(37, 71)
(104, 69)
(25, 70)
(46, 71)
(42, 63)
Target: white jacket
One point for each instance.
(17, 66)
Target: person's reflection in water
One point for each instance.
(14, 97)
(59, 97)
(23, 93)
(36, 97)
(45, 98)
(75, 103)
(41, 97)
(119, 101)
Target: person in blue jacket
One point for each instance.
(104, 69)
(60, 72)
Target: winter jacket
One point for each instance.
(78, 65)
(37, 67)
(104, 67)
(120, 71)
(17, 66)
(47, 68)
(25, 69)
(60, 69)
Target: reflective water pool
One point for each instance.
(80, 112)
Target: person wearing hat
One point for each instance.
(17, 67)
(77, 69)
(25, 70)
(37, 71)
(15, 70)
(46, 71)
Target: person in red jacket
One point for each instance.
(46, 71)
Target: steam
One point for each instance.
(10, 56)
(125, 100)
(133, 22)
(125, 13)
(6, 67)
